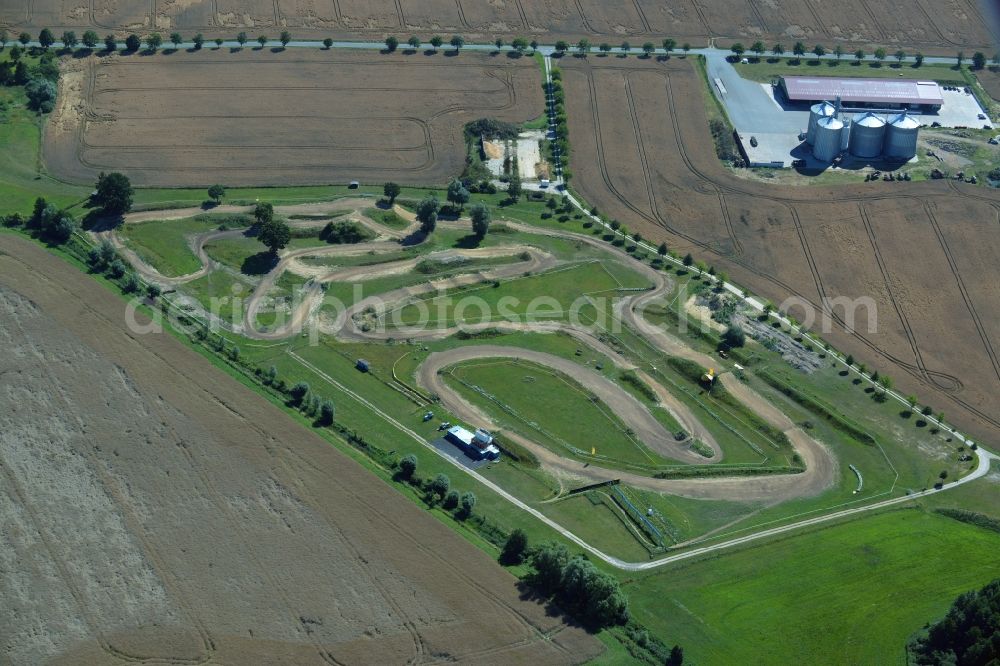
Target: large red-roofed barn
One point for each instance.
(870, 93)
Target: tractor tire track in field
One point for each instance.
(953, 264)
(135, 527)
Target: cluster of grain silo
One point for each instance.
(867, 136)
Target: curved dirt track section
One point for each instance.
(647, 429)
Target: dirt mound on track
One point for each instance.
(300, 117)
(912, 262)
(946, 23)
(157, 510)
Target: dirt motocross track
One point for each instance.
(303, 116)
(925, 253)
(947, 24)
(157, 511)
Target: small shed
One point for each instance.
(363, 365)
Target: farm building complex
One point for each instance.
(868, 93)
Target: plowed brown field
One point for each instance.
(156, 511)
(292, 118)
(642, 153)
(943, 24)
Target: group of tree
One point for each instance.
(306, 401)
(968, 635)
(271, 231)
(437, 490)
(344, 232)
(392, 42)
(48, 222)
(593, 597)
(39, 80)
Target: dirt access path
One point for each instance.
(218, 515)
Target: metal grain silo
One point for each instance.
(829, 131)
(820, 110)
(867, 135)
(901, 137)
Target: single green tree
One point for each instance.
(327, 43)
(457, 42)
(498, 43)
(436, 42)
(440, 485)
(414, 42)
(738, 49)
(262, 40)
(662, 250)
(918, 60)
(176, 39)
(69, 39)
(534, 45)
(880, 54)
(625, 48)
(46, 38)
(838, 51)
(604, 47)
(113, 193)
(216, 192)
(688, 259)
(562, 46)
(481, 219)
(515, 548)
(859, 55)
(4, 38)
(900, 56)
(978, 60)
(275, 235)
(391, 43)
(959, 59)
(298, 393)
(427, 213)
(284, 38)
(326, 413)
(583, 46)
(458, 194)
(24, 38)
(263, 213)
(669, 45)
(819, 50)
(219, 42)
(391, 190)
(110, 44)
(799, 49)
(777, 49)
(241, 39)
(199, 41)
(153, 41)
(734, 337)
(648, 49)
(451, 500)
(520, 44)
(468, 502)
(408, 466)
(758, 48)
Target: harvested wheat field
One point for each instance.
(157, 511)
(293, 118)
(921, 252)
(944, 24)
